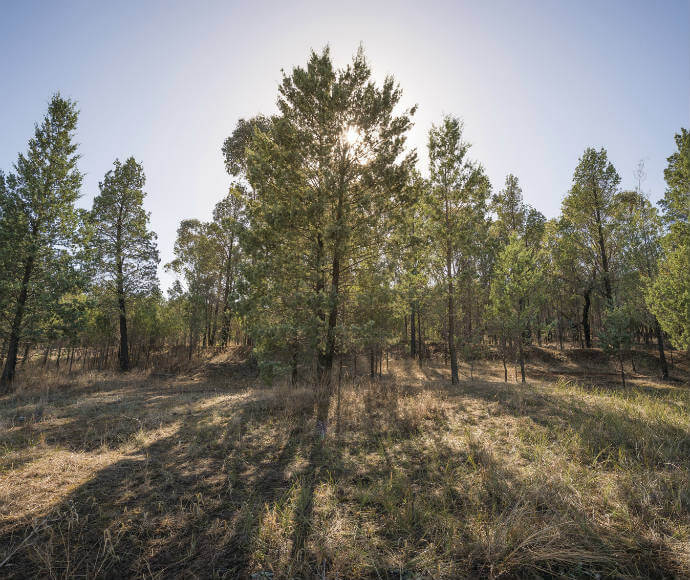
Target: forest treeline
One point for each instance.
(331, 243)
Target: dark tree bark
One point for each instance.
(325, 362)
(120, 290)
(8, 371)
(420, 343)
(585, 317)
(605, 264)
(503, 358)
(660, 345)
(413, 332)
(27, 349)
(124, 345)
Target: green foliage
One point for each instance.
(125, 249)
(235, 147)
(615, 336)
(329, 242)
(588, 212)
(456, 208)
(668, 296)
(38, 223)
(516, 290)
(676, 201)
(325, 176)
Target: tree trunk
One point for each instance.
(604, 261)
(27, 348)
(420, 343)
(293, 366)
(522, 360)
(337, 407)
(405, 335)
(413, 332)
(8, 371)
(326, 357)
(227, 312)
(451, 319)
(124, 346)
(585, 317)
(662, 354)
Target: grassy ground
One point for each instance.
(216, 475)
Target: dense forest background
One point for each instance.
(332, 242)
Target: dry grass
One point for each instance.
(215, 475)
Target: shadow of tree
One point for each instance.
(185, 503)
(190, 500)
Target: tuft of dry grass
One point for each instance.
(214, 474)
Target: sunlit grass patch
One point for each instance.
(414, 478)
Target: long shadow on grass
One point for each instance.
(189, 502)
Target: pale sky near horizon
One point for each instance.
(535, 83)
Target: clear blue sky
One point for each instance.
(535, 82)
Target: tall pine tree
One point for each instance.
(456, 205)
(127, 256)
(323, 177)
(38, 220)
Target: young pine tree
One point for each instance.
(510, 210)
(616, 335)
(456, 207)
(37, 223)
(669, 296)
(641, 237)
(515, 296)
(125, 249)
(588, 213)
(228, 219)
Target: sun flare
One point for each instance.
(352, 136)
